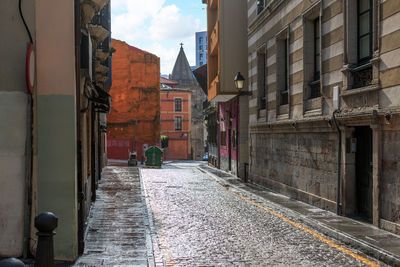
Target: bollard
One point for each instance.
(11, 262)
(46, 223)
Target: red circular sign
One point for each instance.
(30, 68)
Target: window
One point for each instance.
(283, 71)
(201, 56)
(364, 31)
(200, 40)
(315, 90)
(260, 6)
(178, 104)
(178, 123)
(223, 138)
(200, 47)
(201, 63)
(361, 63)
(261, 77)
(317, 50)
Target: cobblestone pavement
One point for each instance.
(118, 230)
(195, 221)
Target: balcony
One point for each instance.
(99, 68)
(98, 34)
(214, 39)
(89, 8)
(213, 88)
(101, 55)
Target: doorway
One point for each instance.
(364, 166)
(230, 148)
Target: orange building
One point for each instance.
(135, 114)
(175, 122)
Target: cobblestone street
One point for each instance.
(196, 221)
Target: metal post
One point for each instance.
(46, 223)
(11, 262)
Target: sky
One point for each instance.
(159, 26)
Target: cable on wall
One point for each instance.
(23, 20)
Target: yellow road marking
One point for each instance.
(305, 229)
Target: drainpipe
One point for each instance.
(80, 196)
(237, 137)
(339, 161)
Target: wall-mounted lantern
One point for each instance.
(239, 83)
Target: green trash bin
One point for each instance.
(154, 156)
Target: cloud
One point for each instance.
(129, 17)
(171, 24)
(155, 26)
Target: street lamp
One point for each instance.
(239, 83)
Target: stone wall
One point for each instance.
(390, 185)
(300, 165)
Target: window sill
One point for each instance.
(282, 117)
(313, 113)
(362, 90)
(262, 114)
(312, 105)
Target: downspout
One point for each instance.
(80, 196)
(339, 162)
(237, 137)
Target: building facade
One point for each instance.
(324, 115)
(182, 74)
(201, 48)
(175, 122)
(134, 121)
(167, 83)
(227, 55)
(53, 98)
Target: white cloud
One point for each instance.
(156, 27)
(171, 24)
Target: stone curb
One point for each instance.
(363, 246)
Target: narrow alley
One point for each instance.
(192, 218)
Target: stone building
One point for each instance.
(134, 120)
(325, 81)
(182, 74)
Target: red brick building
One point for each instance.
(176, 122)
(135, 113)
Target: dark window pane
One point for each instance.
(364, 24)
(365, 47)
(364, 5)
(260, 6)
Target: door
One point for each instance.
(230, 148)
(364, 172)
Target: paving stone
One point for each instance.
(195, 221)
(118, 225)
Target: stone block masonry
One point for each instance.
(301, 165)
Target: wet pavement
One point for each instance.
(198, 218)
(190, 214)
(118, 232)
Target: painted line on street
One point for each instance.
(305, 229)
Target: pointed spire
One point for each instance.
(182, 72)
